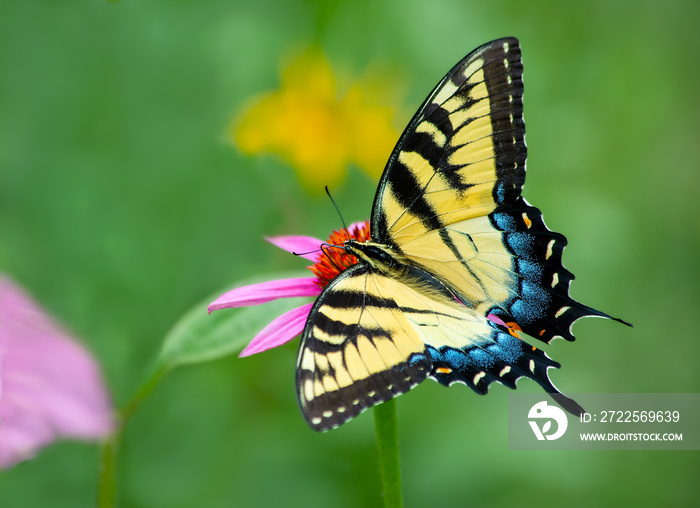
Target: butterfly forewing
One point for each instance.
(463, 154)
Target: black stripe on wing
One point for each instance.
(331, 409)
(504, 81)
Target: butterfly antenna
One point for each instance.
(321, 248)
(305, 253)
(327, 256)
(337, 210)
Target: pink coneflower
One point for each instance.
(326, 266)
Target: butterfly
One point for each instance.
(458, 264)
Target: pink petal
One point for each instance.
(352, 228)
(306, 246)
(256, 294)
(51, 386)
(280, 331)
(497, 320)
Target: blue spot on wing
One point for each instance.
(505, 222)
(532, 305)
(522, 245)
(507, 348)
(504, 349)
(417, 358)
(530, 270)
(501, 192)
(456, 358)
(482, 359)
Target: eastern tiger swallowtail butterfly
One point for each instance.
(458, 262)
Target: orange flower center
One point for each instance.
(334, 259)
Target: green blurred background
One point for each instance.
(122, 205)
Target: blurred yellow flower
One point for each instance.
(318, 133)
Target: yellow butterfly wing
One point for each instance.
(356, 349)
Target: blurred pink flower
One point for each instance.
(50, 386)
(290, 324)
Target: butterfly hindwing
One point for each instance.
(508, 264)
(540, 302)
(505, 360)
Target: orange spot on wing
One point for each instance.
(542, 332)
(514, 328)
(443, 370)
(527, 220)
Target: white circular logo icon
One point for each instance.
(541, 411)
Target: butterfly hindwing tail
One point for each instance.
(542, 306)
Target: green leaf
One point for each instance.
(200, 337)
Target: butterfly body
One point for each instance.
(458, 262)
(374, 254)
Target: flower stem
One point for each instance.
(388, 444)
(107, 483)
(141, 395)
